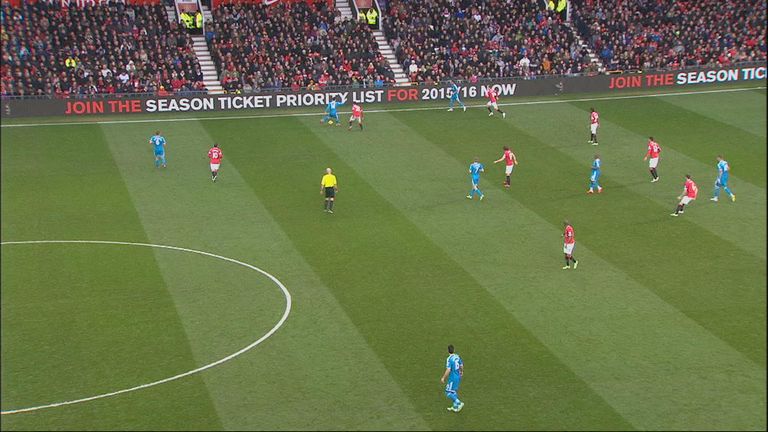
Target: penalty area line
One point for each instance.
(312, 114)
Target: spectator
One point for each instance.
(302, 41)
(637, 35)
(102, 49)
(437, 39)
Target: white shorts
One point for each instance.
(686, 200)
(653, 162)
(593, 128)
(568, 248)
(215, 167)
(492, 104)
(353, 118)
(508, 169)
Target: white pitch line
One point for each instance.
(181, 375)
(255, 116)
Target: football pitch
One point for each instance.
(267, 313)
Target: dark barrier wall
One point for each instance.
(506, 88)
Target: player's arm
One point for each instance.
(514, 158)
(499, 159)
(336, 186)
(461, 370)
(648, 153)
(322, 187)
(445, 375)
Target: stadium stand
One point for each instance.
(440, 39)
(99, 49)
(641, 35)
(292, 45)
(115, 47)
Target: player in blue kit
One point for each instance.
(454, 370)
(593, 178)
(454, 89)
(722, 179)
(475, 169)
(158, 144)
(330, 111)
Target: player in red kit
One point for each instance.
(594, 123)
(215, 155)
(653, 153)
(357, 114)
(690, 190)
(493, 102)
(510, 160)
(569, 242)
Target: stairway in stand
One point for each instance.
(593, 58)
(386, 50)
(171, 12)
(210, 76)
(343, 7)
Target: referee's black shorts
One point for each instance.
(330, 192)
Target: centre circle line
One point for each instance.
(243, 350)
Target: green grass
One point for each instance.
(662, 326)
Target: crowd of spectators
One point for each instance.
(292, 45)
(100, 49)
(118, 48)
(440, 39)
(656, 34)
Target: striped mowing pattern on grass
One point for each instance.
(661, 327)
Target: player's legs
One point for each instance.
(214, 171)
(472, 191)
(593, 134)
(490, 110)
(652, 164)
(716, 190)
(162, 160)
(724, 184)
(451, 102)
(336, 118)
(476, 185)
(157, 160)
(508, 172)
(451, 392)
(568, 253)
(681, 205)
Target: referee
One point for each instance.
(329, 185)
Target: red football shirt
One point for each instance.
(215, 155)
(594, 118)
(653, 149)
(691, 190)
(568, 235)
(357, 110)
(492, 95)
(509, 158)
